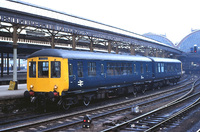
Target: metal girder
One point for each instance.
(26, 19)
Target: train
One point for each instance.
(66, 77)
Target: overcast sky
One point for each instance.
(175, 18)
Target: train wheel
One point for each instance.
(65, 105)
(86, 101)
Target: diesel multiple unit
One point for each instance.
(66, 77)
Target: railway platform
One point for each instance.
(12, 94)
(21, 77)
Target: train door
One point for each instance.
(72, 73)
(103, 73)
(76, 80)
(136, 73)
(142, 71)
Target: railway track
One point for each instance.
(67, 120)
(160, 118)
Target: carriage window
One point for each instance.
(32, 69)
(141, 68)
(102, 68)
(129, 68)
(55, 69)
(158, 67)
(91, 69)
(70, 69)
(147, 70)
(110, 70)
(162, 67)
(43, 69)
(134, 68)
(80, 69)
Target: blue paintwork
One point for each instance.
(102, 79)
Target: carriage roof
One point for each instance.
(86, 55)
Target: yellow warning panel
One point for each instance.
(12, 85)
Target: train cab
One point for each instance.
(44, 75)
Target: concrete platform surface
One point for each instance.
(11, 94)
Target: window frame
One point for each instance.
(42, 67)
(59, 66)
(92, 72)
(32, 69)
(80, 69)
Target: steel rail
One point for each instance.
(195, 103)
(88, 111)
(113, 112)
(151, 112)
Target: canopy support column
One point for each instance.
(7, 63)
(53, 41)
(91, 45)
(15, 38)
(132, 50)
(117, 49)
(1, 64)
(109, 47)
(73, 42)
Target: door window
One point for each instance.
(43, 69)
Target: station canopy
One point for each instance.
(43, 20)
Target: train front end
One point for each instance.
(47, 78)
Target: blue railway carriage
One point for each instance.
(67, 77)
(166, 70)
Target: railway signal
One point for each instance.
(87, 122)
(195, 48)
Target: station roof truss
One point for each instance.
(42, 22)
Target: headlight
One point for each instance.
(55, 87)
(31, 87)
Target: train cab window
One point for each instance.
(80, 69)
(43, 69)
(32, 69)
(91, 69)
(70, 69)
(55, 69)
